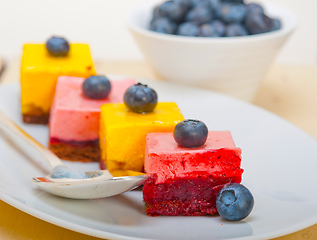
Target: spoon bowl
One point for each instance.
(64, 182)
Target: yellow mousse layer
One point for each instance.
(40, 70)
(123, 134)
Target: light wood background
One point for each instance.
(288, 91)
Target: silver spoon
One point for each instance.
(70, 184)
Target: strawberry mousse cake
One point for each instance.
(185, 181)
(74, 118)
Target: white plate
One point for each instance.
(279, 161)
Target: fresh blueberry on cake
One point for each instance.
(186, 181)
(191, 133)
(140, 98)
(96, 87)
(234, 202)
(57, 46)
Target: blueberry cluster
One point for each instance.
(212, 18)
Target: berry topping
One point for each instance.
(191, 133)
(140, 98)
(57, 47)
(234, 202)
(96, 87)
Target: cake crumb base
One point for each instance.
(35, 119)
(87, 151)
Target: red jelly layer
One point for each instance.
(187, 196)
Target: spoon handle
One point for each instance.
(14, 132)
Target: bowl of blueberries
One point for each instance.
(223, 45)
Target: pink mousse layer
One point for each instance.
(167, 160)
(74, 117)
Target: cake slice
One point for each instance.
(74, 119)
(185, 181)
(123, 134)
(39, 73)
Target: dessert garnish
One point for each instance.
(57, 46)
(234, 202)
(191, 133)
(140, 98)
(97, 87)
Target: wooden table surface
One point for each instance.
(288, 91)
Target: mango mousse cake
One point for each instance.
(123, 129)
(186, 180)
(74, 117)
(41, 65)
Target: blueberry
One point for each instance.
(234, 1)
(276, 25)
(257, 23)
(214, 4)
(207, 30)
(232, 12)
(176, 12)
(57, 46)
(199, 15)
(96, 87)
(140, 98)
(186, 4)
(188, 29)
(156, 12)
(236, 30)
(234, 202)
(191, 133)
(163, 8)
(201, 3)
(219, 26)
(163, 25)
(254, 8)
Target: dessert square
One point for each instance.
(185, 181)
(74, 118)
(39, 73)
(123, 134)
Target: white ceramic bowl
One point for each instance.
(234, 66)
